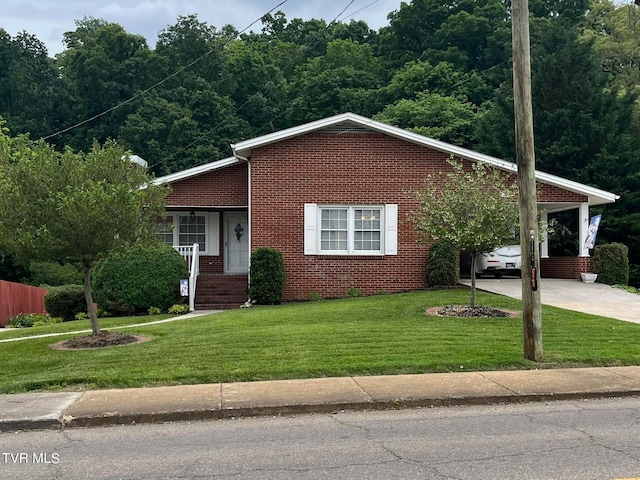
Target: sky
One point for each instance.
(48, 20)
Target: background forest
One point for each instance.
(440, 68)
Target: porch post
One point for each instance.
(544, 244)
(583, 227)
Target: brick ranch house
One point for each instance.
(331, 196)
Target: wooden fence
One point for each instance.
(16, 298)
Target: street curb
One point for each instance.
(44, 410)
(67, 421)
(27, 425)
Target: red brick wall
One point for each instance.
(551, 193)
(350, 169)
(224, 187)
(568, 268)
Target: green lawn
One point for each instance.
(386, 334)
(80, 325)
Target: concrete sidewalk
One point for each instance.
(35, 411)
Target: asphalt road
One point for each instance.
(586, 439)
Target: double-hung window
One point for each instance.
(192, 229)
(350, 230)
(183, 229)
(165, 230)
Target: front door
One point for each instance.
(236, 243)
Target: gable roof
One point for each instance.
(348, 122)
(195, 171)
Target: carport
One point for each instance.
(585, 197)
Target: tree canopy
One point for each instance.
(441, 68)
(73, 207)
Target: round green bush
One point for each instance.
(65, 301)
(611, 263)
(442, 265)
(143, 276)
(267, 276)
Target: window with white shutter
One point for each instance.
(350, 230)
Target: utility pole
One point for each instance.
(525, 156)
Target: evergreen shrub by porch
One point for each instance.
(611, 263)
(65, 301)
(634, 276)
(267, 276)
(143, 276)
(442, 264)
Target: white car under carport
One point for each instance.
(501, 261)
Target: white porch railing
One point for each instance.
(191, 255)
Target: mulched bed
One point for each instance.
(468, 311)
(104, 339)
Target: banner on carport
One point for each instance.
(592, 232)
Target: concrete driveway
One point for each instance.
(593, 298)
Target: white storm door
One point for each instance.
(236, 242)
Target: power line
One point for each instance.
(164, 80)
(237, 109)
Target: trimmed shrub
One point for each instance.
(65, 301)
(442, 264)
(141, 277)
(267, 276)
(634, 276)
(611, 263)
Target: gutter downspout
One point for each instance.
(244, 159)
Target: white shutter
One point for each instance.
(391, 229)
(213, 238)
(310, 228)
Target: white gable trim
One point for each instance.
(195, 171)
(595, 195)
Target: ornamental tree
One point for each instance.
(475, 210)
(71, 207)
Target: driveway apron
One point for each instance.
(592, 298)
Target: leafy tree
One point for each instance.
(29, 84)
(103, 67)
(450, 119)
(11, 269)
(180, 128)
(420, 76)
(254, 82)
(470, 34)
(328, 85)
(475, 210)
(193, 44)
(73, 208)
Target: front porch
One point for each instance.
(215, 245)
